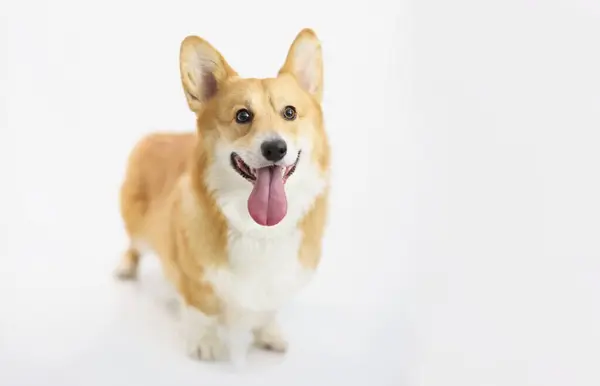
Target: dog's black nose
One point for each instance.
(274, 150)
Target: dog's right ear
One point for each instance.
(203, 71)
(305, 62)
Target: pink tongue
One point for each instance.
(267, 203)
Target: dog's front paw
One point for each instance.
(270, 338)
(206, 348)
(200, 332)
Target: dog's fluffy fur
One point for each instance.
(184, 198)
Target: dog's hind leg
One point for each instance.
(128, 266)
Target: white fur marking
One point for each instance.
(264, 271)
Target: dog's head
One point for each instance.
(262, 141)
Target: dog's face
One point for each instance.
(264, 140)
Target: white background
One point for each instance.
(463, 246)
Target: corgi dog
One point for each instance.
(235, 211)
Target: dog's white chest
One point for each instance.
(263, 274)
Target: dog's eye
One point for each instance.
(289, 113)
(243, 116)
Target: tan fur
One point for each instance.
(165, 202)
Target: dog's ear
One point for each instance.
(305, 62)
(203, 71)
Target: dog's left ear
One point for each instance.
(305, 62)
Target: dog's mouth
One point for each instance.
(267, 203)
(251, 174)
